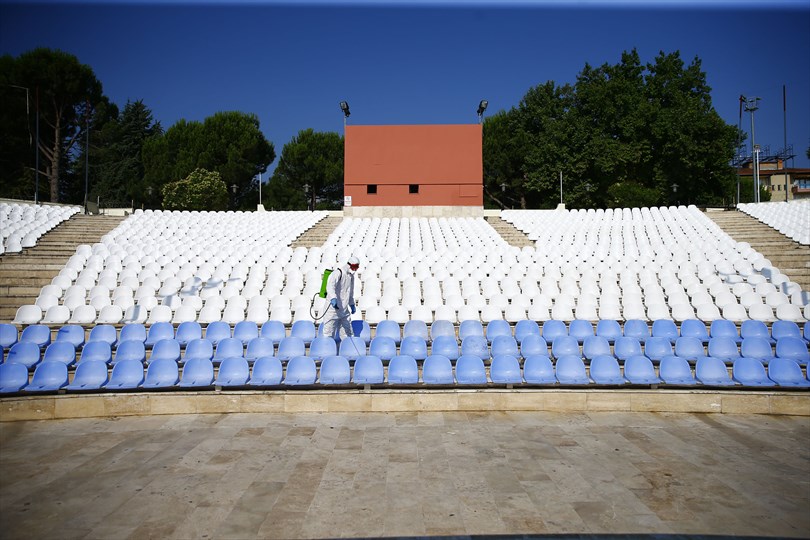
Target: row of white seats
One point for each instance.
(22, 224)
(789, 218)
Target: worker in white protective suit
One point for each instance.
(340, 295)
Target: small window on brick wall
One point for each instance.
(413, 188)
(371, 189)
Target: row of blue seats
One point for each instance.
(436, 370)
(275, 330)
(655, 348)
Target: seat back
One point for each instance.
(565, 346)
(750, 372)
(90, 375)
(13, 377)
(126, 374)
(694, 328)
(274, 330)
(217, 331)
(470, 370)
(159, 331)
(605, 369)
(267, 371)
(48, 376)
(233, 371)
(98, 350)
(552, 329)
(290, 347)
(413, 346)
(504, 345)
(676, 370)
(402, 369)
(595, 346)
(580, 330)
(187, 331)
(300, 371)
(334, 369)
(571, 370)
(538, 369)
(639, 370)
(228, 348)
(259, 346)
(60, 351)
(437, 369)
(161, 373)
(712, 371)
(368, 369)
(475, 345)
(786, 372)
(103, 332)
(658, 347)
(165, 348)
(792, 348)
(384, 347)
(665, 328)
(609, 329)
(199, 348)
(505, 369)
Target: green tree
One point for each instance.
(229, 143)
(65, 93)
(200, 190)
(313, 159)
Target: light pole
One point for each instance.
(675, 192)
(482, 106)
(344, 106)
(751, 105)
(503, 195)
(306, 195)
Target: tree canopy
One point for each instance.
(200, 190)
(622, 135)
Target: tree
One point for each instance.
(200, 190)
(229, 143)
(313, 159)
(64, 93)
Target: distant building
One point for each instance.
(784, 183)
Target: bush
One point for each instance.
(200, 190)
(630, 195)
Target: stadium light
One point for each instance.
(751, 105)
(482, 106)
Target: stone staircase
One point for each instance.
(512, 235)
(22, 275)
(791, 258)
(317, 235)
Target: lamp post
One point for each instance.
(306, 195)
(149, 191)
(344, 106)
(751, 105)
(482, 106)
(675, 192)
(503, 195)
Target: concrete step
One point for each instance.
(317, 235)
(509, 232)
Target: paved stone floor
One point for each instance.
(385, 474)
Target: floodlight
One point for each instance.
(344, 106)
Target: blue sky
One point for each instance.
(413, 62)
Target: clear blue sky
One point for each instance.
(414, 62)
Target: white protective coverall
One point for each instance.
(339, 286)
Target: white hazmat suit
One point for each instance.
(340, 287)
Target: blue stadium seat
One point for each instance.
(73, 334)
(533, 345)
(290, 347)
(49, 376)
(446, 346)
(753, 328)
(437, 369)
(413, 346)
(750, 372)
(470, 327)
(505, 369)
(605, 370)
(415, 328)
(470, 370)
(60, 351)
(712, 371)
(658, 347)
(571, 370)
(438, 328)
(504, 345)
(368, 369)
(786, 372)
(104, 332)
(187, 331)
(792, 348)
(676, 370)
(475, 345)
(321, 347)
(199, 348)
(233, 371)
(639, 370)
(538, 369)
(595, 346)
(690, 348)
(97, 351)
(580, 330)
(157, 332)
(724, 328)
(38, 334)
(402, 369)
(304, 329)
(624, 347)
(259, 346)
(26, 353)
(267, 371)
(217, 331)
(228, 348)
(497, 327)
(126, 375)
(636, 328)
(353, 347)
(91, 375)
(13, 377)
(757, 347)
(245, 331)
(197, 373)
(665, 328)
(609, 329)
(132, 331)
(165, 348)
(724, 348)
(780, 329)
(695, 328)
(161, 373)
(335, 370)
(300, 371)
(553, 329)
(526, 327)
(9, 336)
(389, 329)
(565, 346)
(130, 350)
(362, 330)
(384, 347)
(274, 330)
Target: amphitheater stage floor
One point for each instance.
(405, 473)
